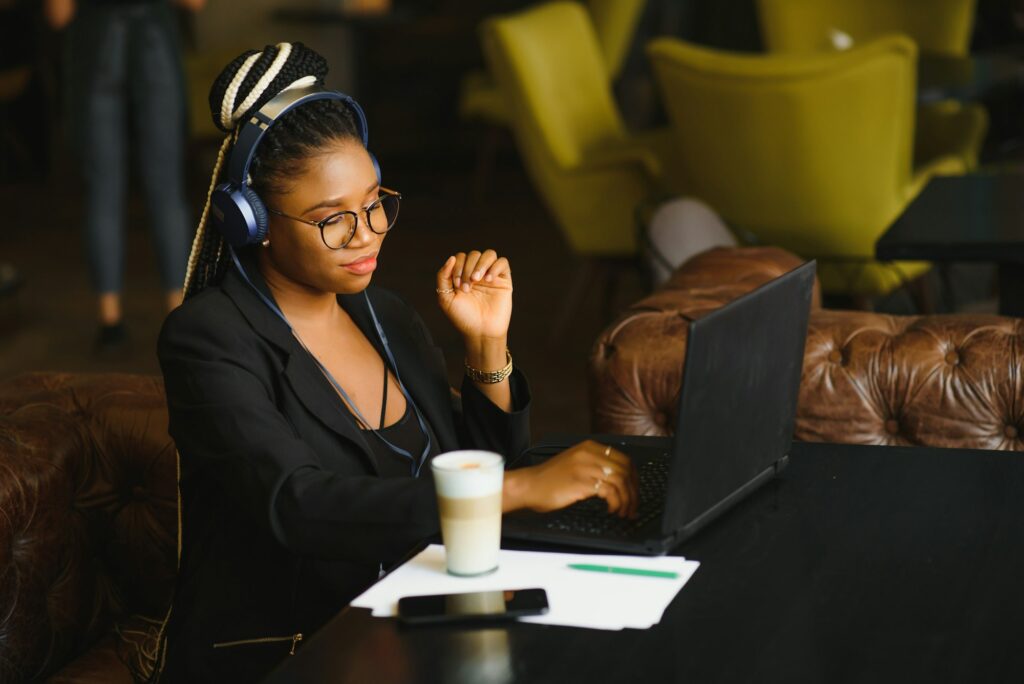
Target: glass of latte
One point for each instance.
(468, 487)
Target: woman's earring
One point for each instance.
(266, 243)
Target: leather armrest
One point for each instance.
(948, 380)
(88, 513)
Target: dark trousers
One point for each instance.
(126, 84)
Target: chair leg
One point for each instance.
(948, 294)
(614, 270)
(862, 303)
(922, 295)
(611, 273)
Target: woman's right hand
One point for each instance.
(580, 472)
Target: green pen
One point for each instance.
(624, 571)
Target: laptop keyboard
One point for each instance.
(591, 516)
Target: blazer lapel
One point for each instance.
(301, 372)
(319, 397)
(417, 362)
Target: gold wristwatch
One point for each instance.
(490, 377)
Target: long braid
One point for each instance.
(227, 105)
(201, 235)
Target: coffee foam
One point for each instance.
(467, 474)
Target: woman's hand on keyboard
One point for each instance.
(580, 472)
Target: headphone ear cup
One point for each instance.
(232, 214)
(259, 212)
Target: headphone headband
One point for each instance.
(235, 208)
(256, 126)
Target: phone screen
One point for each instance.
(477, 605)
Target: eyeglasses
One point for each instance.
(338, 229)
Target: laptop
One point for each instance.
(737, 406)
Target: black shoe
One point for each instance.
(111, 339)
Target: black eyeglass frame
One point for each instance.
(366, 212)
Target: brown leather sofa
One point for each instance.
(88, 525)
(947, 380)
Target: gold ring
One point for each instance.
(597, 485)
(607, 451)
(607, 471)
(446, 290)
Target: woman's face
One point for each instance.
(341, 178)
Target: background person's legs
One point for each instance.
(98, 60)
(158, 106)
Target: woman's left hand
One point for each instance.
(475, 293)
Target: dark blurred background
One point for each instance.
(405, 62)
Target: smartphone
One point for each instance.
(473, 606)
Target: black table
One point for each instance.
(979, 217)
(944, 77)
(857, 564)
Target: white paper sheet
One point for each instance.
(577, 598)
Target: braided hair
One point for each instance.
(246, 84)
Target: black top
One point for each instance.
(287, 514)
(406, 434)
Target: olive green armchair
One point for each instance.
(810, 152)
(938, 27)
(614, 23)
(590, 172)
(941, 27)
(588, 169)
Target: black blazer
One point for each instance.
(285, 518)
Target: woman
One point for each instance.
(305, 403)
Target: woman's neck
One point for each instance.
(301, 304)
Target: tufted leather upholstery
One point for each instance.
(88, 523)
(948, 381)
